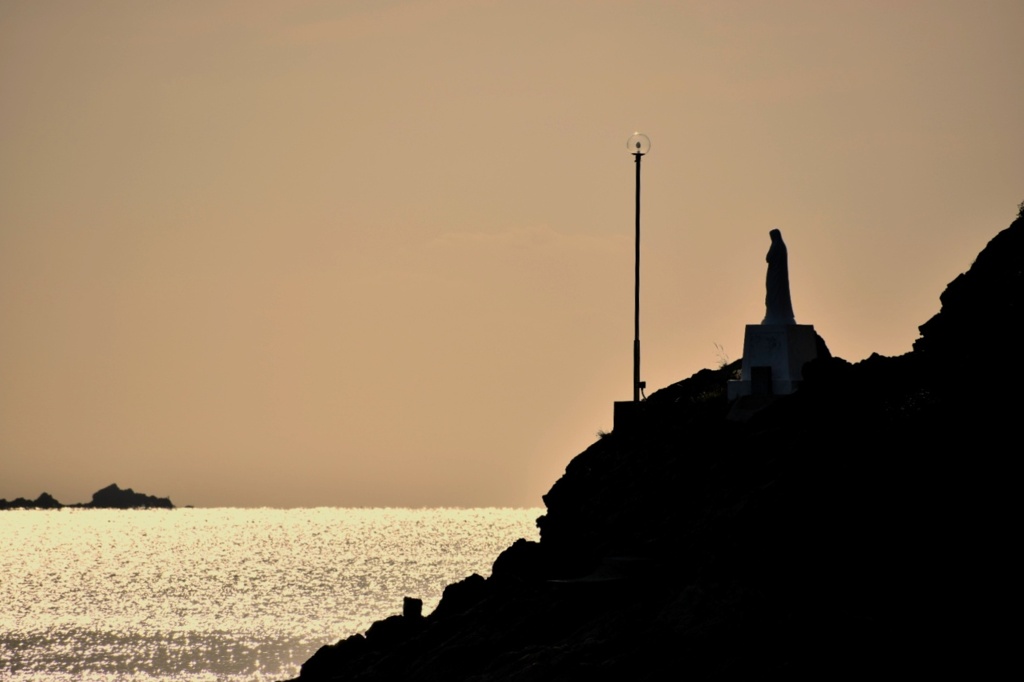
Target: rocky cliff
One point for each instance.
(860, 528)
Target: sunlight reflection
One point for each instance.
(196, 594)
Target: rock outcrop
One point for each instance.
(111, 497)
(44, 501)
(859, 528)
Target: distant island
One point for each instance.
(111, 497)
(861, 528)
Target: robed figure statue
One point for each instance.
(777, 303)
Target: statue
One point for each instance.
(777, 303)
(775, 351)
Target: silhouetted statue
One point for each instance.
(777, 303)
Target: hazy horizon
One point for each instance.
(380, 253)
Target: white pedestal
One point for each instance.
(773, 359)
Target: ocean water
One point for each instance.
(221, 594)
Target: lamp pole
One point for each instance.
(638, 145)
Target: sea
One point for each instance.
(221, 594)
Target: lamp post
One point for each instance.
(638, 144)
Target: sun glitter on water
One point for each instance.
(227, 594)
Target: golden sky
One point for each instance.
(380, 252)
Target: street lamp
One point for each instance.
(638, 144)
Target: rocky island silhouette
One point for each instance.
(858, 528)
(111, 497)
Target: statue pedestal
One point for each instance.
(773, 359)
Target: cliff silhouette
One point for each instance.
(859, 528)
(111, 497)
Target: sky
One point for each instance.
(380, 252)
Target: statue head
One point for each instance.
(775, 234)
